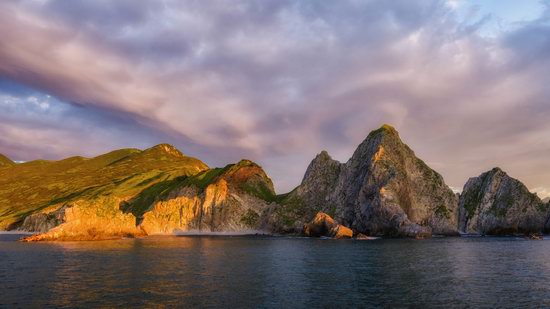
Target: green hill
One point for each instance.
(35, 186)
(5, 161)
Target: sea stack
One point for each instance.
(383, 190)
(497, 204)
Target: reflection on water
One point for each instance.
(275, 272)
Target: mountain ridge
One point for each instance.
(383, 189)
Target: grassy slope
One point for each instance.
(5, 161)
(37, 185)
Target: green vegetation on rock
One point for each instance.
(39, 185)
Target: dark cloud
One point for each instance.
(277, 81)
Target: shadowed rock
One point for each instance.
(384, 189)
(497, 204)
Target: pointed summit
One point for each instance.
(495, 203)
(321, 167)
(385, 131)
(165, 149)
(382, 143)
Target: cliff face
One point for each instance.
(384, 189)
(227, 199)
(312, 196)
(215, 200)
(94, 219)
(495, 204)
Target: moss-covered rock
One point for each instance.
(384, 189)
(496, 204)
(232, 198)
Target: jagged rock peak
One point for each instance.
(165, 148)
(323, 155)
(378, 142)
(385, 129)
(495, 203)
(322, 164)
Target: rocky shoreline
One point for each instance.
(383, 190)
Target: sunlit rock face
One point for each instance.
(94, 219)
(384, 189)
(495, 203)
(323, 225)
(231, 199)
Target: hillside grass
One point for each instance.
(38, 185)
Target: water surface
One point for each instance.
(275, 272)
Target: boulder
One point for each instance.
(324, 225)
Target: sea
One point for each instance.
(224, 271)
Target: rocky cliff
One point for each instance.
(226, 199)
(78, 196)
(384, 189)
(496, 204)
(312, 196)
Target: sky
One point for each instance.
(464, 82)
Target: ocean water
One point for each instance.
(275, 272)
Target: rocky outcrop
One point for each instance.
(384, 189)
(324, 225)
(231, 199)
(94, 219)
(497, 204)
(44, 221)
(312, 196)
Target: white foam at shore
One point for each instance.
(210, 233)
(16, 232)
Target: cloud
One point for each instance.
(277, 81)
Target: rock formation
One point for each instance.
(312, 196)
(222, 199)
(324, 225)
(79, 197)
(226, 199)
(384, 189)
(497, 204)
